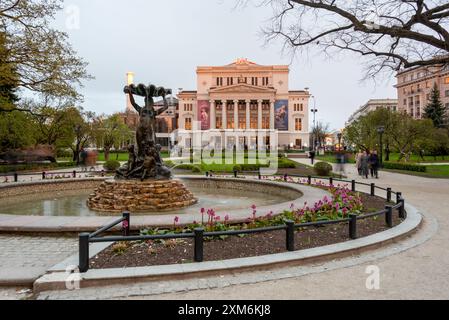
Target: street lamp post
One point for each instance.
(381, 131)
(314, 111)
(339, 136)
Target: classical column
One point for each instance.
(236, 114)
(248, 115)
(259, 115)
(272, 115)
(224, 110)
(213, 119)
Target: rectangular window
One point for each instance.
(188, 124)
(446, 93)
(298, 124)
(219, 123)
(446, 80)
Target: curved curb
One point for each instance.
(106, 277)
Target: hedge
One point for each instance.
(404, 166)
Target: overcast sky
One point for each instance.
(164, 41)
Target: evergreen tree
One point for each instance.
(435, 109)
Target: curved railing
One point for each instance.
(199, 234)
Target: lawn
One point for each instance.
(393, 157)
(416, 158)
(432, 172)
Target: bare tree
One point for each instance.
(391, 34)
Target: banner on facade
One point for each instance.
(204, 114)
(281, 115)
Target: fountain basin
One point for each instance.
(27, 207)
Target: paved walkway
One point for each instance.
(23, 259)
(415, 268)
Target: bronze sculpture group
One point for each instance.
(145, 162)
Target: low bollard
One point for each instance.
(389, 191)
(74, 173)
(373, 189)
(43, 175)
(331, 181)
(198, 236)
(353, 185)
(84, 252)
(285, 177)
(290, 239)
(398, 197)
(389, 216)
(207, 174)
(402, 212)
(126, 224)
(260, 175)
(309, 179)
(236, 173)
(16, 177)
(353, 226)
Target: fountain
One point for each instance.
(143, 183)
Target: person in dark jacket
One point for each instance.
(364, 164)
(374, 164)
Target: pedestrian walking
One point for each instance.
(374, 164)
(358, 162)
(365, 164)
(312, 155)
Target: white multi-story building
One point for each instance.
(246, 97)
(372, 105)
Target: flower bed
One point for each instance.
(343, 202)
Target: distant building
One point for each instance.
(415, 84)
(373, 105)
(244, 97)
(166, 123)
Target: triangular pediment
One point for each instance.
(242, 88)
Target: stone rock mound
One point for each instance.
(140, 196)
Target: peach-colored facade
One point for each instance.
(414, 87)
(246, 96)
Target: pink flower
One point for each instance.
(227, 218)
(217, 218)
(176, 219)
(203, 210)
(253, 207)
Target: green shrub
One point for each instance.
(196, 170)
(111, 165)
(169, 163)
(322, 168)
(237, 167)
(185, 167)
(404, 166)
(285, 163)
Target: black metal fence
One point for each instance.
(199, 234)
(44, 175)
